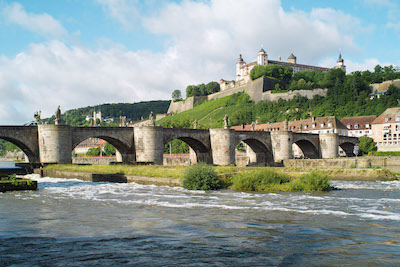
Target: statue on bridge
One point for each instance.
(286, 125)
(152, 119)
(253, 125)
(57, 120)
(226, 122)
(195, 124)
(37, 117)
(123, 121)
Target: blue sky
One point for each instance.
(76, 53)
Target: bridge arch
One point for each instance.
(197, 140)
(307, 148)
(347, 144)
(24, 137)
(121, 139)
(259, 149)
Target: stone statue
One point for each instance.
(57, 120)
(286, 125)
(123, 121)
(37, 117)
(226, 122)
(152, 119)
(195, 124)
(253, 125)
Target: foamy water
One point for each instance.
(357, 222)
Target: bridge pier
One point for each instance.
(223, 146)
(149, 144)
(55, 143)
(329, 145)
(282, 142)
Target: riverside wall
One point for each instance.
(390, 163)
(94, 160)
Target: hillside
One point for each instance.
(348, 95)
(133, 112)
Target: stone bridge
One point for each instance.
(54, 143)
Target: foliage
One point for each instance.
(177, 147)
(109, 149)
(200, 177)
(312, 181)
(176, 95)
(282, 73)
(367, 144)
(268, 180)
(7, 146)
(257, 181)
(202, 89)
(93, 152)
(133, 112)
(16, 181)
(384, 153)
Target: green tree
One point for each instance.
(93, 152)
(367, 144)
(212, 87)
(176, 95)
(109, 149)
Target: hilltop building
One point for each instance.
(243, 69)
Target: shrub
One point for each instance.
(312, 181)
(201, 177)
(258, 181)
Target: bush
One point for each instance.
(201, 177)
(384, 153)
(312, 181)
(258, 181)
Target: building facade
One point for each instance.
(243, 69)
(359, 126)
(386, 130)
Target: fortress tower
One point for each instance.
(262, 58)
(340, 63)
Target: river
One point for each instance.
(72, 222)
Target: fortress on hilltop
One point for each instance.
(243, 69)
(261, 88)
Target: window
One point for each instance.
(367, 125)
(397, 119)
(313, 125)
(329, 124)
(355, 126)
(387, 119)
(348, 126)
(397, 128)
(385, 137)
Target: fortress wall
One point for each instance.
(269, 96)
(384, 86)
(180, 106)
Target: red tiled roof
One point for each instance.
(360, 121)
(389, 115)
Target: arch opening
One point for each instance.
(251, 152)
(16, 148)
(100, 150)
(185, 151)
(347, 149)
(304, 149)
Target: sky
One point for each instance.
(76, 53)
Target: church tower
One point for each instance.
(239, 67)
(340, 63)
(292, 59)
(262, 58)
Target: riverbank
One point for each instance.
(173, 175)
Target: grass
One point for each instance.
(14, 180)
(228, 174)
(384, 153)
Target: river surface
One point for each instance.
(72, 222)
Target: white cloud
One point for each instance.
(43, 24)
(367, 64)
(204, 41)
(123, 11)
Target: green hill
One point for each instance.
(348, 95)
(133, 112)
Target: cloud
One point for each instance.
(123, 11)
(204, 39)
(42, 24)
(367, 64)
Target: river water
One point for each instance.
(72, 222)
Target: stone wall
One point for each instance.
(269, 96)
(180, 106)
(94, 160)
(384, 86)
(258, 90)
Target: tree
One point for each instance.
(367, 144)
(176, 95)
(109, 149)
(212, 87)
